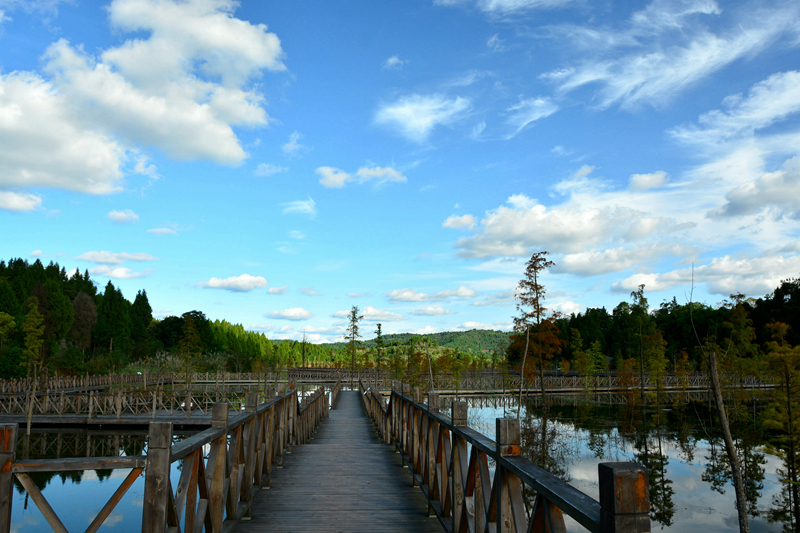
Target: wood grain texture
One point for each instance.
(342, 480)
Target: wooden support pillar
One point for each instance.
(624, 498)
(460, 461)
(8, 449)
(157, 487)
(250, 437)
(417, 394)
(507, 444)
(433, 402)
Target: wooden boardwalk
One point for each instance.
(343, 480)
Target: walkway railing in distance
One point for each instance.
(450, 463)
(335, 392)
(214, 491)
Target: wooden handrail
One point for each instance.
(449, 462)
(214, 491)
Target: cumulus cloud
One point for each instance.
(115, 258)
(123, 217)
(599, 262)
(309, 291)
(267, 169)
(459, 222)
(394, 63)
(497, 326)
(242, 283)
(415, 116)
(293, 313)
(527, 111)
(410, 295)
(278, 290)
(751, 275)
(162, 231)
(406, 295)
(294, 148)
(117, 272)
(372, 314)
(14, 201)
(301, 207)
(334, 178)
(431, 311)
(643, 182)
(179, 86)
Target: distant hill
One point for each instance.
(472, 341)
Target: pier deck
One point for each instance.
(343, 480)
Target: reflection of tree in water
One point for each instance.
(547, 444)
(651, 456)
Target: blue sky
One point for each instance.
(274, 164)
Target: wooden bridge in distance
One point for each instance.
(294, 464)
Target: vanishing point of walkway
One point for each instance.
(343, 480)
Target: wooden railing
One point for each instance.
(450, 463)
(215, 490)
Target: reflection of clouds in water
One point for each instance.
(113, 519)
(698, 509)
(27, 521)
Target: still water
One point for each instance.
(690, 486)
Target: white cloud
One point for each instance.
(162, 231)
(296, 234)
(36, 253)
(459, 222)
(566, 308)
(644, 182)
(242, 283)
(410, 295)
(371, 314)
(506, 7)
(495, 43)
(293, 313)
(578, 224)
(294, 148)
(267, 169)
(334, 178)
(416, 116)
(502, 298)
(178, 85)
(667, 48)
(117, 272)
(380, 174)
(406, 295)
(115, 258)
(599, 262)
(278, 290)
(123, 217)
(358, 294)
(431, 311)
(497, 326)
(309, 291)
(752, 275)
(13, 201)
(394, 63)
(44, 144)
(301, 207)
(528, 111)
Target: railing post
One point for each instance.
(624, 498)
(460, 460)
(250, 436)
(8, 450)
(418, 394)
(156, 479)
(507, 444)
(216, 469)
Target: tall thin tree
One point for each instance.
(352, 336)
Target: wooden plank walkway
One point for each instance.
(343, 480)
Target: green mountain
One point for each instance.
(472, 341)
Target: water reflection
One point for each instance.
(690, 480)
